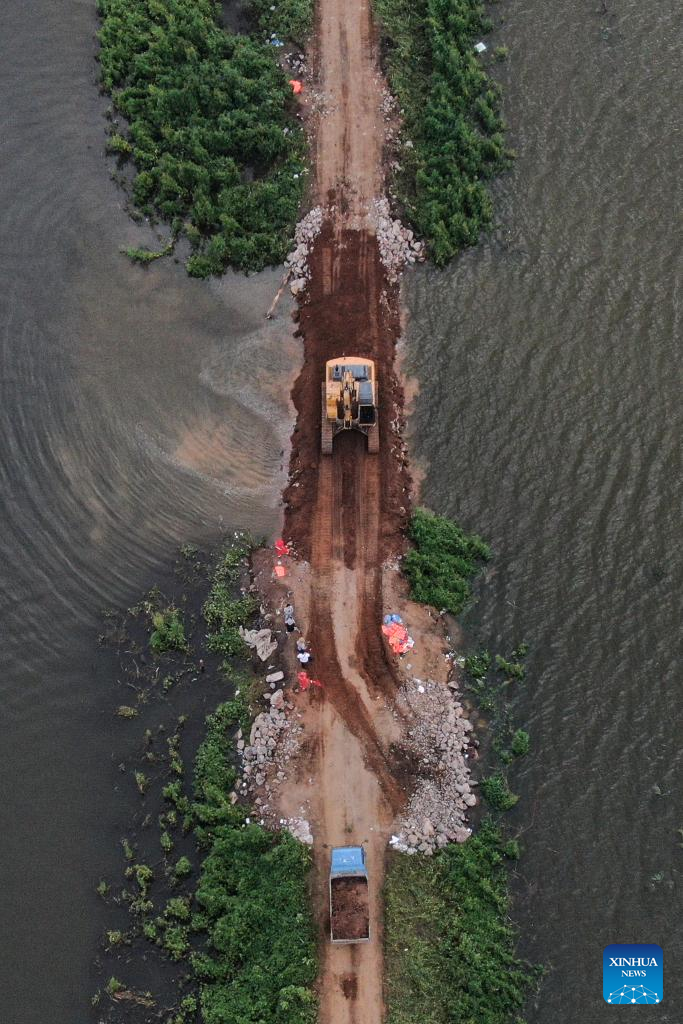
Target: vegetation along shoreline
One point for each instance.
(209, 123)
(223, 901)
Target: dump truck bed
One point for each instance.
(349, 909)
(349, 899)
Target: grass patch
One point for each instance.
(451, 118)
(443, 561)
(450, 946)
(210, 127)
(259, 958)
(225, 613)
(168, 633)
(497, 793)
(147, 256)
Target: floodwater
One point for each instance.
(140, 410)
(549, 419)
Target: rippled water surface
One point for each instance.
(139, 410)
(549, 419)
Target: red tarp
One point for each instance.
(398, 637)
(297, 86)
(281, 548)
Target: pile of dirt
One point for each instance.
(350, 908)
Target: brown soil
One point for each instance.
(348, 309)
(350, 908)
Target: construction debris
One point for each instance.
(260, 640)
(440, 738)
(272, 737)
(397, 244)
(299, 828)
(296, 263)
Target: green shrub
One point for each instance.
(514, 669)
(142, 782)
(442, 563)
(175, 941)
(169, 632)
(214, 143)
(520, 743)
(497, 793)
(117, 144)
(449, 944)
(113, 986)
(291, 19)
(260, 961)
(144, 876)
(182, 868)
(147, 256)
(512, 849)
(450, 115)
(179, 908)
(477, 665)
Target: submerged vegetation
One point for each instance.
(209, 127)
(450, 958)
(443, 561)
(222, 901)
(169, 632)
(453, 133)
(225, 613)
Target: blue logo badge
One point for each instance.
(632, 973)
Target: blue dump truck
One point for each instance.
(349, 899)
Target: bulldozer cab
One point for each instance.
(349, 400)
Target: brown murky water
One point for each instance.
(141, 409)
(549, 419)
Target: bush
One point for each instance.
(497, 793)
(169, 632)
(260, 962)
(182, 868)
(520, 743)
(450, 115)
(216, 149)
(291, 19)
(223, 612)
(514, 669)
(449, 952)
(442, 563)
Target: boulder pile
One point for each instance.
(439, 738)
(273, 741)
(297, 262)
(397, 244)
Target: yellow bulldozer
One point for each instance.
(349, 400)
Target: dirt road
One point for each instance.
(350, 134)
(345, 514)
